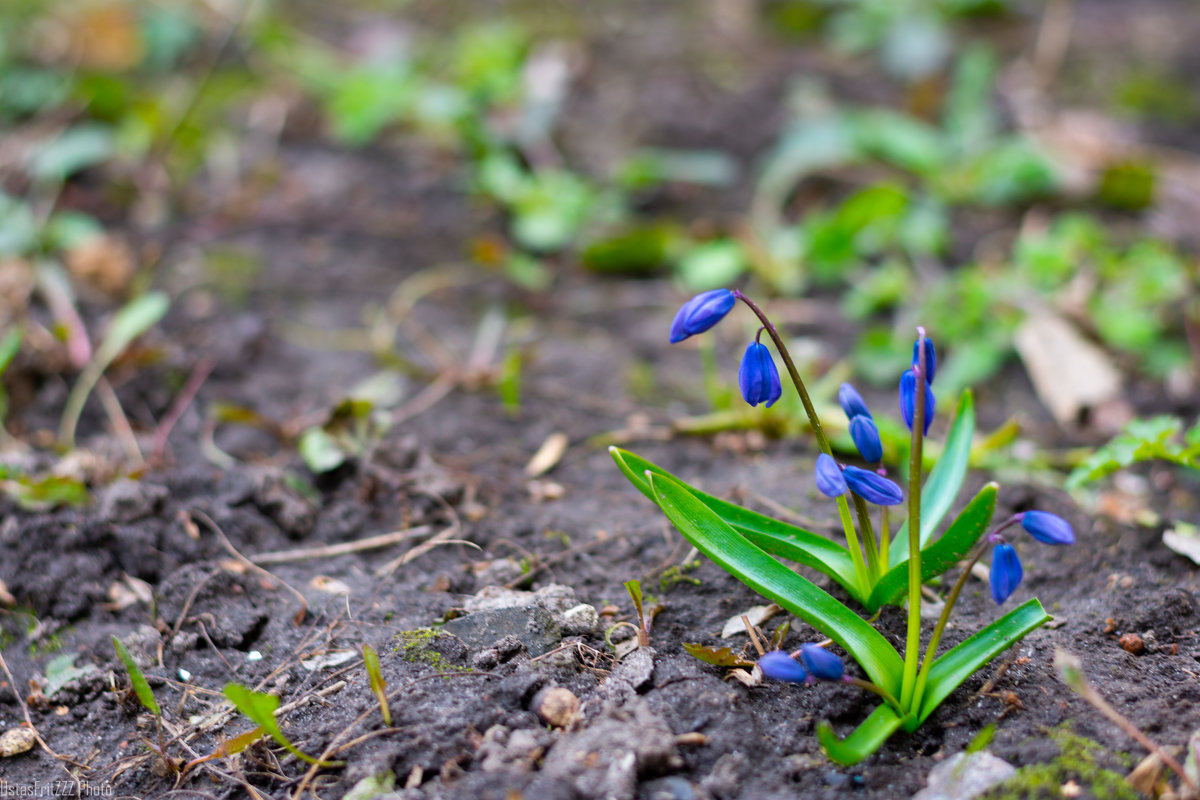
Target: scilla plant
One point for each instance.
(875, 568)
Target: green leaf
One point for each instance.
(866, 738)
(320, 451)
(131, 321)
(10, 343)
(1140, 440)
(712, 264)
(950, 548)
(260, 708)
(701, 526)
(140, 687)
(378, 684)
(135, 318)
(77, 148)
(778, 538)
(964, 659)
(43, 494)
(944, 481)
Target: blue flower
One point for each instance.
(829, 477)
(779, 666)
(758, 376)
(821, 664)
(908, 391)
(701, 313)
(1006, 572)
(1047, 528)
(872, 487)
(852, 402)
(866, 438)
(930, 358)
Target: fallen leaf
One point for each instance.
(548, 455)
(1070, 374)
(1184, 539)
(756, 614)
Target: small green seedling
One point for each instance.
(378, 684)
(261, 708)
(145, 696)
(134, 319)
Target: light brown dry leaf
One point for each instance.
(1069, 373)
(106, 36)
(757, 616)
(548, 455)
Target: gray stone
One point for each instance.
(129, 501)
(604, 760)
(538, 619)
(964, 776)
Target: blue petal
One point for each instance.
(1047, 528)
(930, 358)
(852, 402)
(829, 477)
(779, 666)
(873, 487)
(866, 439)
(701, 313)
(1006, 572)
(822, 664)
(908, 385)
(758, 376)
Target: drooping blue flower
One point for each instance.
(701, 313)
(866, 438)
(821, 664)
(908, 391)
(930, 358)
(758, 376)
(778, 665)
(872, 487)
(1006, 572)
(829, 477)
(1047, 528)
(852, 402)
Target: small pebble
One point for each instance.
(254, 655)
(1132, 643)
(556, 706)
(15, 741)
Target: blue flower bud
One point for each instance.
(1006, 572)
(701, 313)
(908, 391)
(1047, 528)
(758, 376)
(822, 664)
(829, 477)
(852, 402)
(866, 438)
(778, 665)
(930, 358)
(873, 487)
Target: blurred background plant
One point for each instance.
(950, 183)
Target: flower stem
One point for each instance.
(939, 629)
(860, 567)
(868, 534)
(885, 537)
(912, 655)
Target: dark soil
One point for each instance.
(337, 235)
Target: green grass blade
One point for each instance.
(944, 481)
(779, 538)
(866, 738)
(260, 708)
(950, 548)
(731, 551)
(137, 679)
(963, 660)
